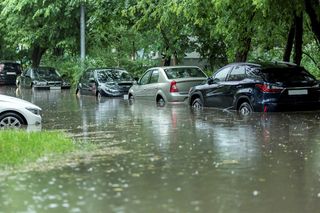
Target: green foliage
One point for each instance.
(19, 147)
(220, 30)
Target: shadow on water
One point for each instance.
(177, 160)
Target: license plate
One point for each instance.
(298, 92)
(11, 73)
(55, 88)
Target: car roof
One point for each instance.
(172, 67)
(9, 62)
(106, 68)
(267, 65)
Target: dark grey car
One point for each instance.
(112, 82)
(42, 78)
(9, 70)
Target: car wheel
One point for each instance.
(197, 104)
(98, 95)
(245, 109)
(160, 102)
(131, 98)
(78, 93)
(10, 120)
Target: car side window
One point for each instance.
(222, 74)
(154, 77)
(29, 73)
(145, 78)
(238, 73)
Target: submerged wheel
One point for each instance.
(11, 120)
(197, 104)
(78, 93)
(98, 95)
(161, 102)
(245, 109)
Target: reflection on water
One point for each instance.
(178, 160)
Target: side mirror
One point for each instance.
(210, 80)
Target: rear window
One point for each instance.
(10, 67)
(287, 75)
(185, 72)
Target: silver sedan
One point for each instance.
(167, 84)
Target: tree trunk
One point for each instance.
(242, 54)
(310, 6)
(167, 61)
(289, 45)
(58, 51)
(175, 59)
(37, 54)
(298, 39)
(133, 57)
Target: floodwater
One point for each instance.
(174, 160)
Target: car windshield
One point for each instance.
(287, 75)
(46, 72)
(113, 75)
(185, 72)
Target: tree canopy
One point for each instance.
(221, 31)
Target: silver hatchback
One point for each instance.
(167, 84)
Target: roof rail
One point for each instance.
(285, 62)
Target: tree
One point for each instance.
(172, 36)
(39, 26)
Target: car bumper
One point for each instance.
(46, 87)
(280, 107)
(177, 97)
(113, 94)
(33, 119)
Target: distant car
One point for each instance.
(9, 70)
(42, 78)
(167, 84)
(258, 87)
(110, 82)
(15, 113)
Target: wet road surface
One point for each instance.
(175, 160)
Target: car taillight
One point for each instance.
(269, 88)
(173, 87)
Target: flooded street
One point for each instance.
(173, 159)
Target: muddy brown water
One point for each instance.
(176, 160)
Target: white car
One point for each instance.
(15, 113)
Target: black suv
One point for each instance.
(259, 87)
(9, 70)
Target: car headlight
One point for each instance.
(40, 83)
(34, 111)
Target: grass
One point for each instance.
(20, 147)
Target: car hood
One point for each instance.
(117, 84)
(48, 79)
(20, 102)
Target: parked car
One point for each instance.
(112, 82)
(15, 112)
(167, 84)
(42, 78)
(258, 87)
(9, 70)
